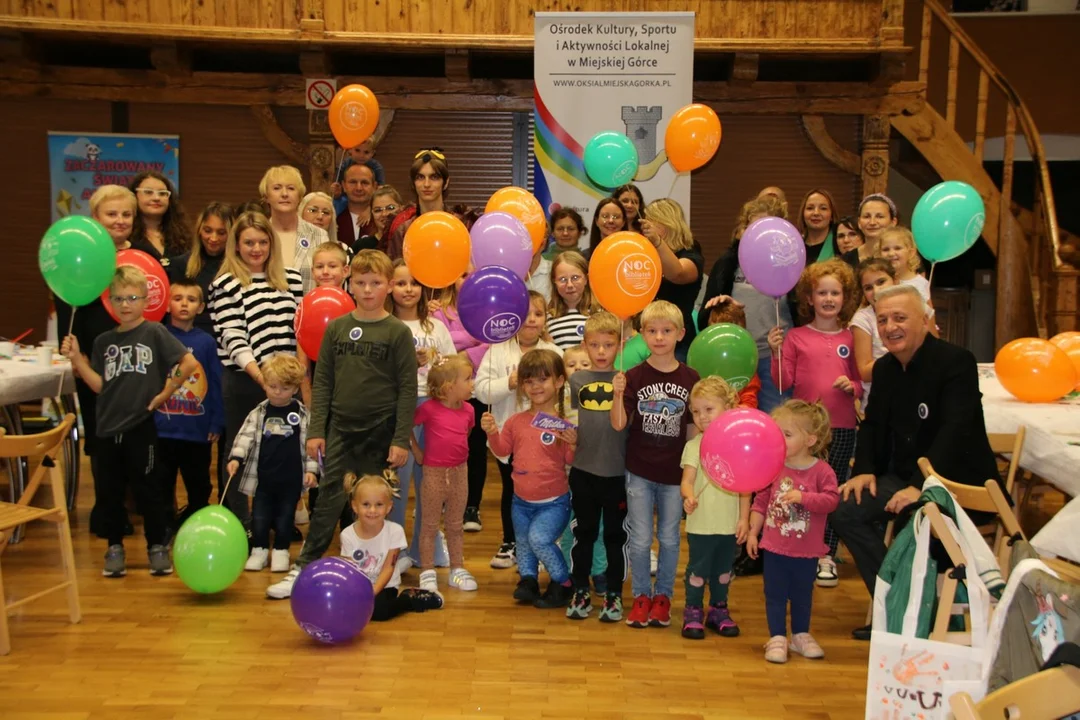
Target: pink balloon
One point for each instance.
(772, 255)
(501, 239)
(743, 450)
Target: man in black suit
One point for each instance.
(924, 402)
(357, 222)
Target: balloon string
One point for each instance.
(341, 165)
(780, 352)
(703, 487)
(71, 326)
(674, 180)
(622, 346)
(491, 375)
(225, 491)
(930, 280)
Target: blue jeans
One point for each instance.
(274, 508)
(538, 527)
(642, 496)
(788, 580)
(769, 397)
(414, 471)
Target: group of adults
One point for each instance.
(924, 400)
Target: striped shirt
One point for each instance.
(568, 330)
(251, 324)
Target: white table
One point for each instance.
(23, 380)
(1052, 439)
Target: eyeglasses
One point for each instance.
(151, 192)
(317, 211)
(434, 152)
(572, 279)
(384, 209)
(126, 299)
(609, 218)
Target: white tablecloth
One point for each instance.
(24, 379)
(1052, 439)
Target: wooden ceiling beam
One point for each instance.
(457, 65)
(170, 59)
(426, 93)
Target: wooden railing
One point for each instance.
(1042, 247)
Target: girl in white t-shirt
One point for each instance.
(432, 340)
(373, 543)
(898, 247)
(871, 276)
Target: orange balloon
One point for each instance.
(1035, 370)
(353, 115)
(523, 205)
(437, 248)
(692, 137)
(625, 273)
(1070, 343)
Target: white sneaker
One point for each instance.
(257, 560)
(462, 579)
(654, 562)
(826, 573)
(505, 556)
(429, 581)
(442, 555)
(282, 589)
(404, 563)
(279, 561)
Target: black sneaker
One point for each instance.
(556, 596)
(422, 600)
(528, 590)
(862, 633)
(472, 520)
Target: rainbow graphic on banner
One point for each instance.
(558, 153)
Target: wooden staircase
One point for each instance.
(1036, 273)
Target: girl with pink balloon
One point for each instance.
(818, 362)
(716, 521)
(792, 512)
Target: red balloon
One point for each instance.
(157, 284)
(314, 314)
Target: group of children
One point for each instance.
(579, 443)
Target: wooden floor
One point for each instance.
(149, 648)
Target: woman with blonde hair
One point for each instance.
(318, 209)
(681, 260)
(253, 302)
(281, 188)
(571, 299)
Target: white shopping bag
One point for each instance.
(913, 677)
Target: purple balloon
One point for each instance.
(501, 239)
(332, 600)
(493, 304)
(772, 255)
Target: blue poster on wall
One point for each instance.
(80, 163)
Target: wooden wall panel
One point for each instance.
(758, 151)
(836, 20)
(26, 204)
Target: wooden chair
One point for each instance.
(1046, 695)
(1067, 570)
(1007, 448)
(972, 499)
(43, 449)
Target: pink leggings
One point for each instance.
(449, 487)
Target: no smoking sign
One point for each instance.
(319, 92)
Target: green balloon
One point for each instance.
(210, 550)
(726, 350)
(634, 353)
(947, 221)
(77, 258)
(610, 159)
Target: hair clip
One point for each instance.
(880, 198)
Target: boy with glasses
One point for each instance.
(133, 369)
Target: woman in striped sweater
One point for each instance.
(253, 301)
